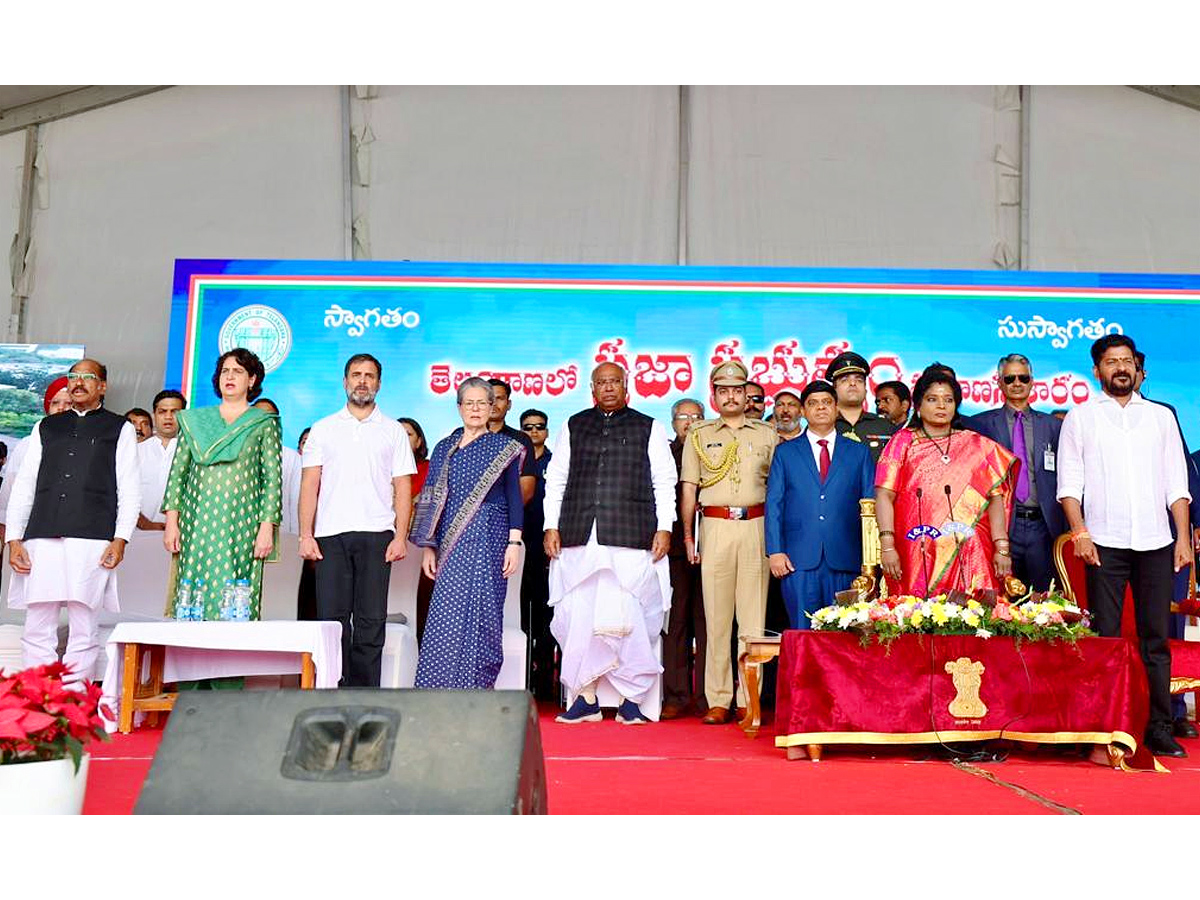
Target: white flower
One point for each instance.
(863, 615)
(982, 633)
(1041, 619)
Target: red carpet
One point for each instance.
(683, 767)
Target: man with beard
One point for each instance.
(609, 508)
(725, 465)
(893, 401)
(787, 415)
(73, 510)
(355, 502)
(848, 373)
(1032, 436)
(756, 401)
(154, 458)
(1120, 468)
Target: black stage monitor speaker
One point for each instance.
(349, 751)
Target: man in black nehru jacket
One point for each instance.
(73, 509)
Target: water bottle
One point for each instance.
(241, 602)
(183, 600)
(198, 599)
(227, 601)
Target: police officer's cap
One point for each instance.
(848, 363)
(729, 374)
(817, 387)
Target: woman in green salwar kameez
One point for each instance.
(223, 496)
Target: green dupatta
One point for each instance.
(212, 440)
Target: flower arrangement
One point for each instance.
(1035, 617)
(41, 719)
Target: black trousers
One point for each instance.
(352, 587)
(1032, 552)
(1150, 574)
(542, 650)
(683, 673)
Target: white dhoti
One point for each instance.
(64, 571)
(609, 607)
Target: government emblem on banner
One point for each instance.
(260, 329)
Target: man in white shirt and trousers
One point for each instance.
(1122, 456)
(73, 509)
(610, 503)
(355, 505)
(155, 455)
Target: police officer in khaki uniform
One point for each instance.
(727, 460)
(848, 373)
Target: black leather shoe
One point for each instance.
(1160, 743)
(1184, 729)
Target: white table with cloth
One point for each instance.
(196, 650)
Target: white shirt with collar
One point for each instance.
(816, 449)
(358, 461)
(1126, 464)
(129, 485)
(154, 461)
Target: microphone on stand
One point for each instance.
(957, 537)
(924, 538)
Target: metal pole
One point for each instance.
(347, 186)
(1023, 220)
(16, 321)
(685, 130)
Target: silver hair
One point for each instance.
(474, 382)
(1013, 358)
(617, 366)
(678, 403)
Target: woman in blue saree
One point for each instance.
(469, 518)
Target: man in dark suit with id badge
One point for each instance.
(1032, 436)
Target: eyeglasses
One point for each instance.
(534, 426)
(688, 417)
(476, 404)
(1024, 379)
(755, 398)
(82, 376)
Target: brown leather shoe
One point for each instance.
(671, 711)
(716, 715)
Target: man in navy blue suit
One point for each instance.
(813, 535)
(1037, 518)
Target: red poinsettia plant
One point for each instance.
(41, 719)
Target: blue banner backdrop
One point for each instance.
(544, 327)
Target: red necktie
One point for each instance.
(824, 445)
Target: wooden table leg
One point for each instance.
(130, 675)
(808, 751)
(308, 672)
(753, 720)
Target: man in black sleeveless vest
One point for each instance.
(610, 502)
(73, 509)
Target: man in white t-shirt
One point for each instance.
(355, 504)
(154, 458)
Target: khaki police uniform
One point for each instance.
(730, 465)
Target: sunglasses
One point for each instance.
(1024, 379)
(533, 426)
(755, 398)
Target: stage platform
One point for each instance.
(684, 768)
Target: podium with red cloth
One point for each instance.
(929, 689)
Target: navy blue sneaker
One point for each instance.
(581, 711)
(628, 713)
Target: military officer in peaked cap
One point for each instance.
(848, 373)
(724, 467)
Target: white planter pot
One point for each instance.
(48, 788)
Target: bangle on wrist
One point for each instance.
(887, 531)
(1003, 552)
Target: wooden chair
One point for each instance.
(1185, 655)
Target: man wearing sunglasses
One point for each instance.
(756, 401)
(535, 588)
(1032, 436)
